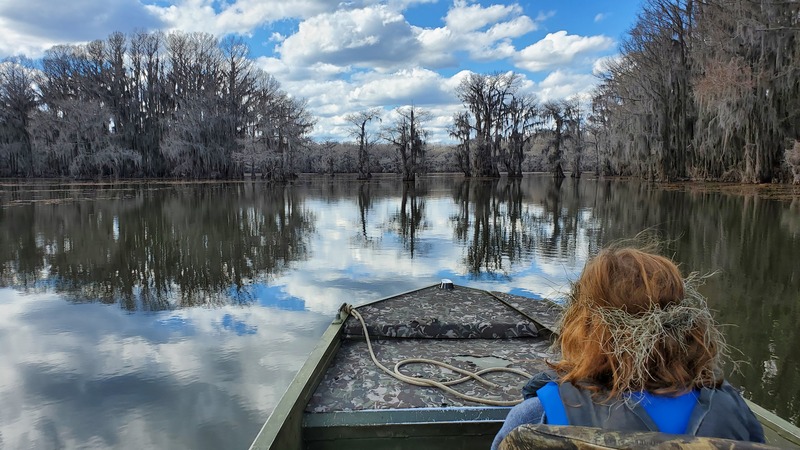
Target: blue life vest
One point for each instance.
(670, 414)
(712, 412)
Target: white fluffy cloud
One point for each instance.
(32, 26)
(239, 16)
(380, 37)
(560, 84)
(463, 17)
(407, 86)
(332, 99)
(559, 49)
(485, 33)
(374, 37)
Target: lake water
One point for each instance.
(174, 315)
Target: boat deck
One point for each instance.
(464, 327)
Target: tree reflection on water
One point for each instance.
(151, 250)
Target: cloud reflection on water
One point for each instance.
(93, 376)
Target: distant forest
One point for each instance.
(702, 90)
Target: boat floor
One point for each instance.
(467, 328)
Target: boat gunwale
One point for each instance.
(407, 416)
(780, 426)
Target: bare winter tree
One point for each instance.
(257, 146)
(598, 129)
(293, 124)
(561, 116)
(149, 102)
(17, 103)
(462, 131)
(521, 117)
(408, 138)
(74, 132)
(359, 130)
(486, 97)
(193, 146)
(76, 141)
(328, 163)
(276, 129)
(210, 85)
(238, 95)
(576, 123)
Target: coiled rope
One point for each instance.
(445, 386)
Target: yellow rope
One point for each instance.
(445, 386)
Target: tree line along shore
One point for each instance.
(701, 90)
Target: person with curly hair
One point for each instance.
(640, 351)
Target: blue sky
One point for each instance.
(353, 55)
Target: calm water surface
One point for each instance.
(174, 315)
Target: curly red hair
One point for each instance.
(638, 283)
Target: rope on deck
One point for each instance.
(445, 386)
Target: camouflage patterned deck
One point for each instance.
(461, 313)
(544, 312)
(467, 328)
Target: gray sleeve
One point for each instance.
(529, 411)
(754, 431)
